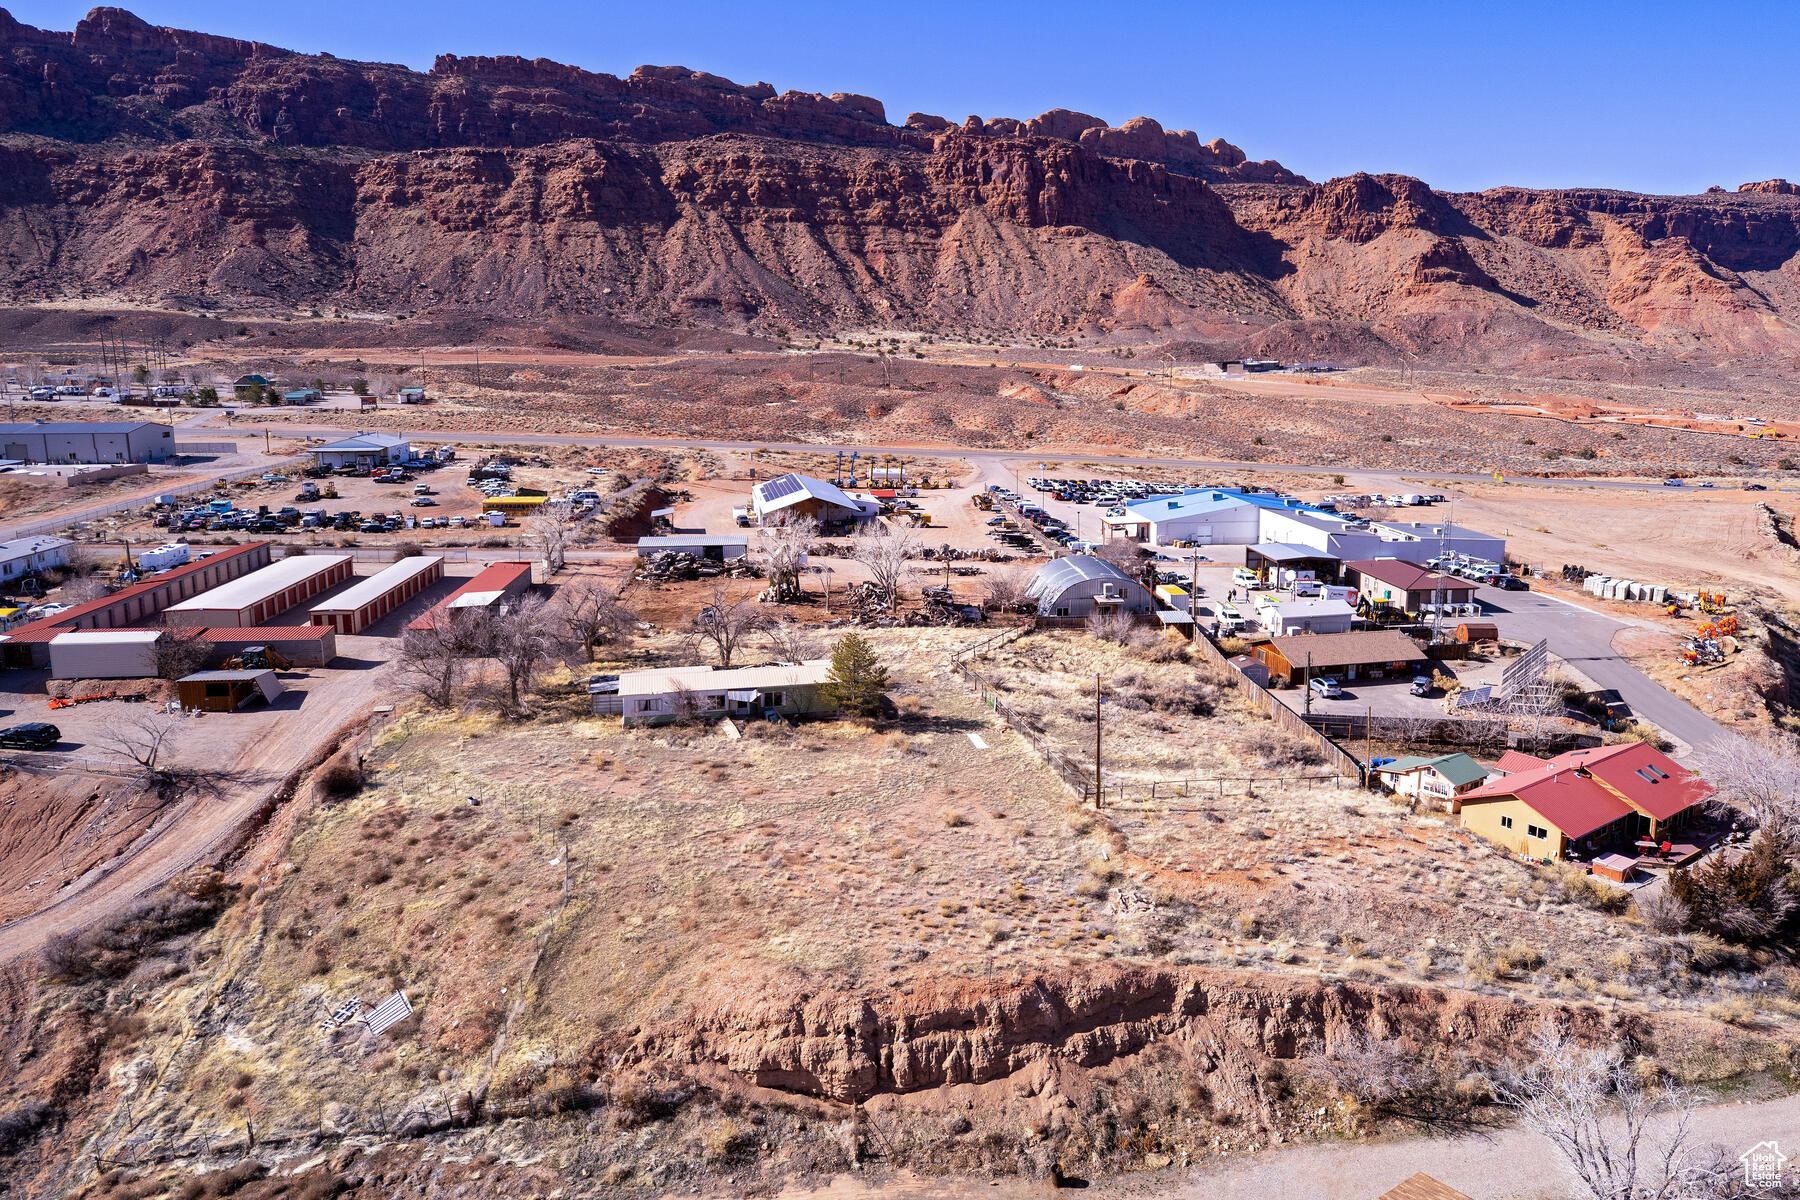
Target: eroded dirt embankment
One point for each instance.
(847, 1048)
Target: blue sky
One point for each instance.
(1652, 96)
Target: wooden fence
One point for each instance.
(1336, 757)
(1078, 776)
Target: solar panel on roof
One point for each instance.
(775, 489)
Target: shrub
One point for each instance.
(341, 779)
(20, 1122)
(1742, 898)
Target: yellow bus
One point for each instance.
(513, 504)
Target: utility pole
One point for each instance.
(1307, 699)
(1096, 742)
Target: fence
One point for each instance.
(82, 516)
(1079, 776)
(1336, 757)
(198, 448)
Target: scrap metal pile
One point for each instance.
(867, 607)
(667, 565)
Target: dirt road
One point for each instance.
(198, 827)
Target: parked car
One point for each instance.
(1672, 483)
(1512, 583)
(38, 735)
(1327, 688)
(1755, 487)
(1421, 685)
(423, 502)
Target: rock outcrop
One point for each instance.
(152, 165)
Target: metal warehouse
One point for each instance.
(719, 546)
(29, 644)
(86, 441)
(105, 653)
(301, 645)
(379, 594)
(1081, 584)
(493, 585)
(263, 594)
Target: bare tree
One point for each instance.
(789, 641)
(888, 557)
(725, 625)
(433, 661)
(1760, 776)
(1379, 1074)
(1619, 1136)
(784, 549)
(148, 739)
(551, 529)
(1004, 592)
(181, 653)
(1124, 555)
(591, 614)
(521, 638)
(1109, 626)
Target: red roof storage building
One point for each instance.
(490, 587)
(29, 645)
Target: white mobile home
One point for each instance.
(660, 695)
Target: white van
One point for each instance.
(1246, 578)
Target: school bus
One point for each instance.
(513, 505)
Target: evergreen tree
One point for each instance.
(856, 679)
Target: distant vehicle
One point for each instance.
(421, 489)
(996, 520)
(1512, 583)
(1328, 688)
(43, 393)
(1421, 685)
(1672, 483)
(103, 393)
(423, 502)
(1755, 487)
(598, 471)
(38, 735)
(69, 389)
(1706, 483)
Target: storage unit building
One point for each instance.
(263, 594)
(358, 607)
(492, 586)
(105, 653)
(86, 441)
(302, 645)
(227, 691)
(29, 644)
(29, 555)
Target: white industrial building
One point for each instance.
(255, 598)
(1281, 618)
(363, 450)
(29, 555)
(86, 441)
(105, 653)
(1230, 517)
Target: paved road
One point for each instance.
(214, 424)
(1584, 638)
